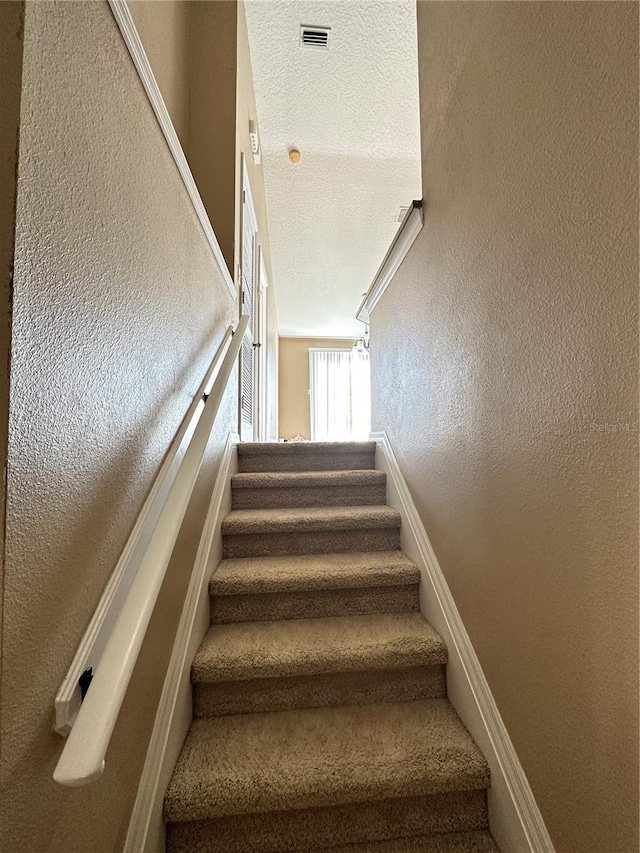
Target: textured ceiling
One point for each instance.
(352, 111)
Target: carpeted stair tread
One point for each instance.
(323, 690)
(314, 604)
(322, 757)
(345, 487)
(307, 479)
(319, 693)
(306, 456)
(300, 448)
(449, 842)
(247, 650)
(306, 519)
(251, 575)
(306, 830)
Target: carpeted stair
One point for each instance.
(321, 721)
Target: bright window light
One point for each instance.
(340, 394)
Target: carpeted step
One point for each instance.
(306, 456)
(456, 842)
(319, 691)
(363, 823)
(302, 586)
(310, 530)
(305, 572)
(306, 605)
(315, 758)
(273, 489)
(312, 646)
(215, 699)
(259, 666)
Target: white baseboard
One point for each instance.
(174, 715)
(515, 820)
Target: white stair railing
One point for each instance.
(69, 696)
(83, 757)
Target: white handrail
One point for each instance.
(69, 696)
(83, 756)
(404, 239)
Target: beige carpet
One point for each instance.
(321, 719)
(300, 488)
(459, 842)
(304, 586)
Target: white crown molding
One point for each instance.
(515, 820)
(174, 714)
(402, 242)
(132, 40)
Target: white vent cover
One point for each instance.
(315, 37)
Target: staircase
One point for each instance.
(320, 714)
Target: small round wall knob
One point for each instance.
(294, 155)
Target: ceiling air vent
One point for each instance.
(316, 37)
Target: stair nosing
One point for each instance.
(248, 579)
(391, 844)
(214, 781)
(385, 831)
(307, 479)
(304, 519)
(315, 658)
(300, 447)
(275, 588)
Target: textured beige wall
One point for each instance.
(511, 328)
(117, 308)
(164, 27)
(11, 33)
(294, 382)
(192, 48)
(212, 152)
(221, 101)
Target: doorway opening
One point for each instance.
(340, 394)
(253, 301)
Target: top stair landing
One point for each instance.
(255, 457)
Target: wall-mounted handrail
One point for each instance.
(83, 757)
(69, 696)
(405, 236)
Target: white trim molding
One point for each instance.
(405, 237)
(134, 45)
(514, 817)
(174, 714)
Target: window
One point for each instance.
(340, 395)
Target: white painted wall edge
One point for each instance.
(69, 698)
(132, 40)
(515, 820)
(174, 714)
(405, 237)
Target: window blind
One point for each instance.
(340, 395)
